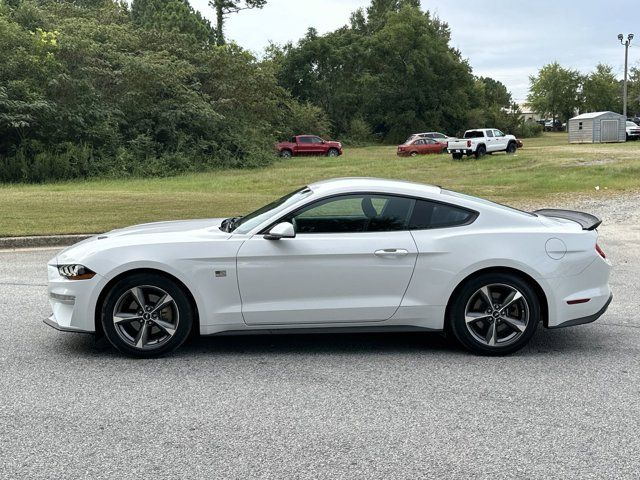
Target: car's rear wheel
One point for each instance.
(333, 152)
(494, 314)
(286, 153)
(481, 151)
(413, 154)
(146, 315)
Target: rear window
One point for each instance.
(427, 215)
(474, 134)
(485, 202)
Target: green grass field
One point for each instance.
(547, 166)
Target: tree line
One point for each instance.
(103, 88)
(560, 92)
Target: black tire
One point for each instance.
(468, 294)
(457, 156)
(511, 148)
(177, 317)
(286, 154)
(481, 151)
(413, 154)
(333, 152)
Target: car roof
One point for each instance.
(366, 184)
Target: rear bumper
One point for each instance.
(587, 319)
(463, 151)
(566, 295)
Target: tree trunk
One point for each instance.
(219, 23)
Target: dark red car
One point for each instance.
(420, 146)
(309, 145)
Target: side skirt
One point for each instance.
(321, 330)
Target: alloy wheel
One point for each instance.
(145, 317)
(497, 314)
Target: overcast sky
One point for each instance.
(504, 39)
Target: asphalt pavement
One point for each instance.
(320, 406)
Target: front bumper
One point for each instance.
(72, 302)
(51, 321)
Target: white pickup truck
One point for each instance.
(480, 141)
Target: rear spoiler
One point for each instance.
(586, 220)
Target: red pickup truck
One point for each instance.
(309, 145)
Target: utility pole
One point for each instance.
(626, 64)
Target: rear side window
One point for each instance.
(304, 140)
(428, 215)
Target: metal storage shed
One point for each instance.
(597, 127)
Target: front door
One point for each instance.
(500, 141)
(351, 261)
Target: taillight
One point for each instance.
(600, 252)
(468, 143)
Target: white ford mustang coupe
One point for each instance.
(353, 254)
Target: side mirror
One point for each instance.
(281, 230)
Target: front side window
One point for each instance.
(316, 140)
(353, 214)
(499, 133)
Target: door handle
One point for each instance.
(391, 252)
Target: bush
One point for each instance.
(528, 130)
(359, 133)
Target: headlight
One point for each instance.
(75, 272)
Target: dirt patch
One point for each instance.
(597, 161)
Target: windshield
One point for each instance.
(248, 222)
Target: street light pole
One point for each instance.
(626, 65)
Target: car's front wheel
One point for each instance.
(494, 314)
(511, 148)
(146, 315)
(333, 152)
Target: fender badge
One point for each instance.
(221, 273)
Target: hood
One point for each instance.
(147, 233)
(165, 227)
